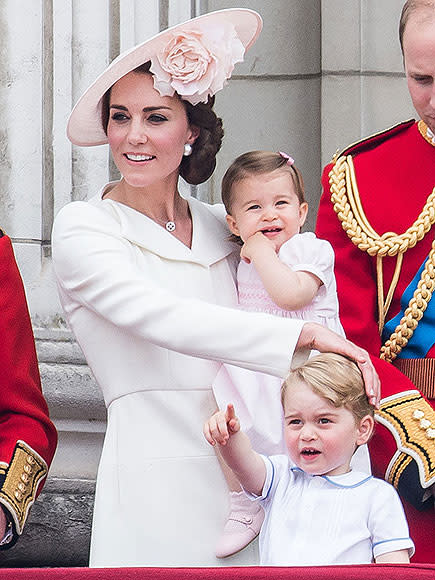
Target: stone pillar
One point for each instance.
(363, 84)
(273, 101)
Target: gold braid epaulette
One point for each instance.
(347, 205)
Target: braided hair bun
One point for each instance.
(199, 166)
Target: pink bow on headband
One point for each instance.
(289, 159)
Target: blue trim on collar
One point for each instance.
(336, 483)
(357, 484)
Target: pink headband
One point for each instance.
(289, 159)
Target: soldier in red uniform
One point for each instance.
(27, 436)
(378, 211)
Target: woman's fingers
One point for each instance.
(318, 337)
(371, 381)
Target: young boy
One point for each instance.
(318, 511)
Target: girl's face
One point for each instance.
(321, 438)
(267, 203)
(146, 132)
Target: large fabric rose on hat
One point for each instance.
(196, 63)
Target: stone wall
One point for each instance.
(322, 74)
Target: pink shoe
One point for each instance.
(242, 526)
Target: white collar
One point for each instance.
(349, 479)
(210, 241)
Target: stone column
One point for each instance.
(363, 84)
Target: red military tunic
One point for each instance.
(27, 436)
(394, 174)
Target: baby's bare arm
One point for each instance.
(290, 290)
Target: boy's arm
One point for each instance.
(223, 428)
(396, 557)
(288, 289)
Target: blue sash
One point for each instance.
(424, 335)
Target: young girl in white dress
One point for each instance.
(281, 272)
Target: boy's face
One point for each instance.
(321, 438)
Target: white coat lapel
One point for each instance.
(210, 234)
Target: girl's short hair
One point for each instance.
(334, 378)
(256, 163)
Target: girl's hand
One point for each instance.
(255, 244)
(221, 425)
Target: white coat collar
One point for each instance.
(210, 241)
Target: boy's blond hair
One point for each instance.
(334, 378)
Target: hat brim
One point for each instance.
(85, 122)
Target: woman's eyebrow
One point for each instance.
(145, 109)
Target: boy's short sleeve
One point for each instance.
(277, 469)
(388, 523)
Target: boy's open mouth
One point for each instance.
(309, 452)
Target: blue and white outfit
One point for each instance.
(317, 520)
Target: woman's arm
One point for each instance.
(94, 267)
(223, 428)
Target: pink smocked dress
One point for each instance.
(256, 396)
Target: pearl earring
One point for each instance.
(187, 149)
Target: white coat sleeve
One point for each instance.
(93, 265)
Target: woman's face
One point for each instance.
(146, 132)
(419, 56)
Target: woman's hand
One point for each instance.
(221, 425)
(317, 337)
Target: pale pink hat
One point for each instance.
(194, 59)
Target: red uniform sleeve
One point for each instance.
(27, 436)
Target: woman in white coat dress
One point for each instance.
(146, 279)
